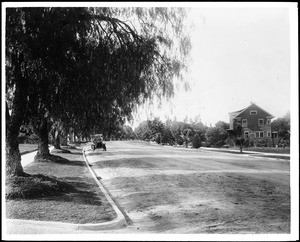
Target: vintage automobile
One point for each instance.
(98, 142)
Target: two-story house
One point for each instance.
(256, 122)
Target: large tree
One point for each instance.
(16, 89)
(47, 39)
(282, 126)
(216, 136)
(81, 65)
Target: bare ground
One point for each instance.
(171, 191)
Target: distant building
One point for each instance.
(256, 123)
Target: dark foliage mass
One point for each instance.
(188, 133)
(86, 69)
(196, 141)
(35, 186)
(195, 134)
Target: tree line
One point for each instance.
(188, 132)
(84, 69)
(193, 133)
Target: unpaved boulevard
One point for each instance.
(177, 190)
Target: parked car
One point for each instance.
(98, 142)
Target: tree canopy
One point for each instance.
(89, 67)
(282, 126)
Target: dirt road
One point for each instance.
(176, 190)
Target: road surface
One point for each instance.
(163, 189)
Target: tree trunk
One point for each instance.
(14, 122)
(13, 156)
(72, 137)
(186, 142)
(57, 139)
(43, 149)
(64, 140)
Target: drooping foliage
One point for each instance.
(87, 68)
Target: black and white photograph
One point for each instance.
(150, 121)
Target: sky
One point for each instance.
(239, 56)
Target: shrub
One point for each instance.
(33, 139)
(229, 142)
(206, 144)
(179, 140)
(167, 137)
(22, 138)
(246, 143)
(196, 143)
(158, 138)
(216, 136)
(251, 143)
(29, 139)
(240, 141)
(263, 143)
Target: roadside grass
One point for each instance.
(237, 151)
(245, 149)
(268, 150)
(24, 148)
(35, 186)
(61, 190)
(273, 156)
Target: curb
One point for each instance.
(61, 225)
(28, 151)
(117, 223)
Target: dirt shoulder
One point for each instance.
(85, 204)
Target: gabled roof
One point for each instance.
(236, 113)
(251, 106)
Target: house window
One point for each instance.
(244, 122)
(260, 122)
(259, 134)
(253, 112)
(274, 135)
(246, 134)
(269, 134)
(268, 121)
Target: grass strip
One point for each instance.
(265, 149)
(263, 155)
(60, 190)
(27, 148)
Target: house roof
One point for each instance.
(251, 106)
(237, 112)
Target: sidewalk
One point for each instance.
(254, 153)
